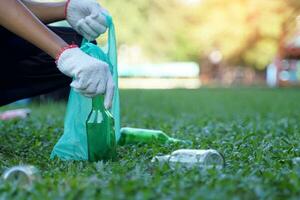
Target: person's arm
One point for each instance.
(47, 12)
(91, 76)
(17, 18)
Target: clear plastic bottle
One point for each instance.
(23, 175)
(190, 158)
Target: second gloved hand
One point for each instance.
(91, 76)
(86, 17)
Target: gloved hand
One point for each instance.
(91, 76)
(86, 17)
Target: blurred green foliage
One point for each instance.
(247, 32)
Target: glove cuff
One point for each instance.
(66, 8)
(63, 49)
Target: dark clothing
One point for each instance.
(25, 70)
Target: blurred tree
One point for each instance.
(246, 32)
(152, 24)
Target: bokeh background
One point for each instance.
(193, 43)
(165, 44)
(231, 42)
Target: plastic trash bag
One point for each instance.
(73, 143)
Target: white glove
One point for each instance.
(86, 17)
(91, 76)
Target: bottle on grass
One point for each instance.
(190, 158)
(146, 136)
(22, 175)
(101, 140)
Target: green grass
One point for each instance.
(257, 130)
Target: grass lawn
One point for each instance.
(256, 129)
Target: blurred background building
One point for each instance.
(137, 71)
(285, 68)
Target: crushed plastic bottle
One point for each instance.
(23, 175)
(190, 158)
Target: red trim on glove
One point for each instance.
(66, 7)
(63, 49)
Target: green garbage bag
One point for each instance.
(73, 143)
